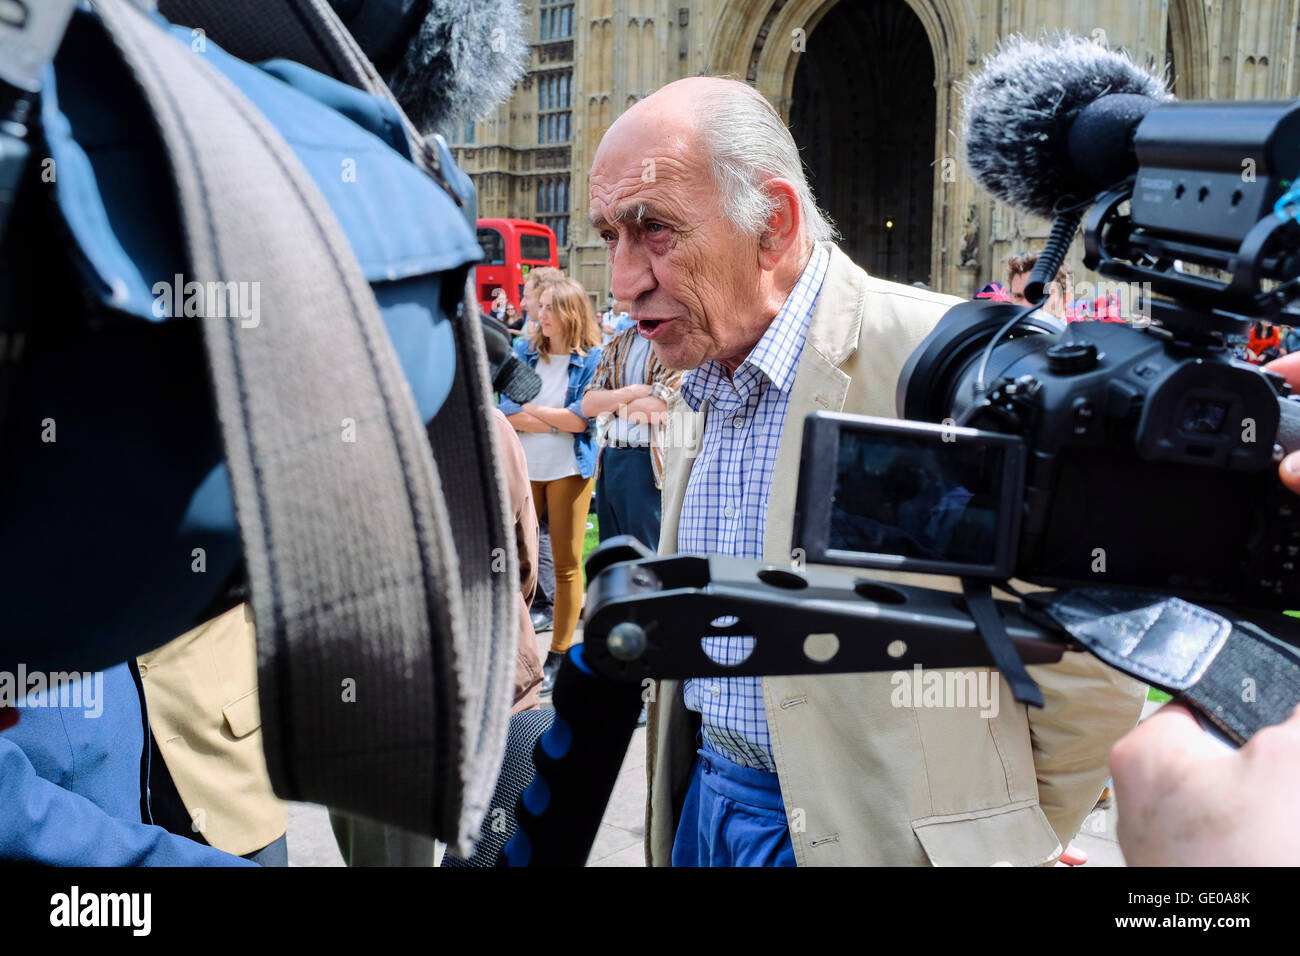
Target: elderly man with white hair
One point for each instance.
(729, 270)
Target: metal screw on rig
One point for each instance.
(642, 578)
(626, 641)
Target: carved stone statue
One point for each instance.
(970, 238)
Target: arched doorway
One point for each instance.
(862, 110)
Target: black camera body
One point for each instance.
(1136, 454)
(1151, 459)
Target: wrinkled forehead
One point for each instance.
(642, 168)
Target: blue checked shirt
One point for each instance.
(725, 507)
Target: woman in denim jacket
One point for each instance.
(558, 442)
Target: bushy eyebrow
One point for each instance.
(637, 212)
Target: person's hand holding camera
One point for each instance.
(1289, 368)
(1184, 801)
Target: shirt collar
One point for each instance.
(776, 356)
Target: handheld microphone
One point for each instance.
(1047, 126)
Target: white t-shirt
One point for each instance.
(550, 456)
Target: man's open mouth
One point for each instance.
(649, 328)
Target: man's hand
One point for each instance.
(1184, 801)
(645, 411)
(598, 401)
(1289, 368)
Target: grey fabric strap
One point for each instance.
(379, 695)
(1237, 674)
(309, 32)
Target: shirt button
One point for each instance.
(738, 421)
(728, 511)
(717, 690)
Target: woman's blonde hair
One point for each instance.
(575, 322)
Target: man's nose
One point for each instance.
(631, 273)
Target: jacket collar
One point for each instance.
(837, 318)
(819, 385)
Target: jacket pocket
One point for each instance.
(1015, 835)
(243, 716)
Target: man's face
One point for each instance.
(529, 299)
(1053, 304)
(689, 281)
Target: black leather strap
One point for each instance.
(979, 601)
(1241, 670)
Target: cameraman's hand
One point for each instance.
(1289, 368)
(1185, 801)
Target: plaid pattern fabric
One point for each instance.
(612, 373)
(725, 507)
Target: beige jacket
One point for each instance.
(865, 782)
(201, 690)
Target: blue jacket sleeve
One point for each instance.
(589, 366)
(44, 824)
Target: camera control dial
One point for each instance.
(1071, 358)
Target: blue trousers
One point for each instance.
(733, 816)
(627, 501)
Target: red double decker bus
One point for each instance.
(511, 249)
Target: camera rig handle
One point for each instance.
(644, 620)
(646, 615)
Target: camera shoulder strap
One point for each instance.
(461, 436)
(378, 696)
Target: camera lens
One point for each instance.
(939, 378)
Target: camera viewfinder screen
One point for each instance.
(918, 498)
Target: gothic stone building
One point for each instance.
(870, 89)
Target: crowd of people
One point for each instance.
(734, 315)
(592, 438)
(1264, 342)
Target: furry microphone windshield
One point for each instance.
(463, 61)
(1018, 110)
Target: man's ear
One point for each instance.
(784, 225)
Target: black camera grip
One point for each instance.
(1288, 425)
